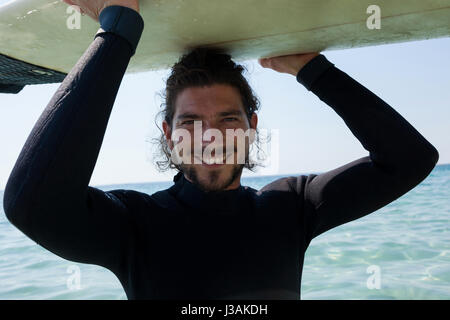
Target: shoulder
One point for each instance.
(131, 199)
(289, 184)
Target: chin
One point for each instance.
(215, 180)
(210, 180)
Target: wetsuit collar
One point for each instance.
(223, 202)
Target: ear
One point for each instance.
(254, 121)
(167, 133)
(253, 125)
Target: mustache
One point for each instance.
(224, 150)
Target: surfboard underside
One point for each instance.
(47, 37)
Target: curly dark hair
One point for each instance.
(203, 67)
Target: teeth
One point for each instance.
(214, 160)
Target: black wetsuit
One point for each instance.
(182, 243)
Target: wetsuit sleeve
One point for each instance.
(47, 195)
(399, 156)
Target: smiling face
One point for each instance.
(220, 107)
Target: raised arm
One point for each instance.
(399, 156)
(47, 195)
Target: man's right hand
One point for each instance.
(93, 8)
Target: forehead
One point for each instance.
(208, 100)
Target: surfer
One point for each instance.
(207, 236)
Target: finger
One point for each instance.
(75, 3)
(264, 62)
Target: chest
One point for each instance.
(217, 253)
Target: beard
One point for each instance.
(214, 180)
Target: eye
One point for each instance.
(230, 119)
(188, 122)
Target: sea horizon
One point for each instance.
(242, 178)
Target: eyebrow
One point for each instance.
(230, 113)
(190, 115)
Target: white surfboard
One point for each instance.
(39, 31)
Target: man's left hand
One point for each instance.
(291, 64)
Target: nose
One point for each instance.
(211, 132)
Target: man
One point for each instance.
(206, 237)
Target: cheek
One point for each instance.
(184, 134)
(239, 133)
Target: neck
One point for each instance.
(232, 186)
(235, 184)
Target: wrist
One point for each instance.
(122, 21)
(313, 70)
(305, 59)
(132, 4)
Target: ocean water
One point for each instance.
(401, 251)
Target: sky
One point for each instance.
(412, 77)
